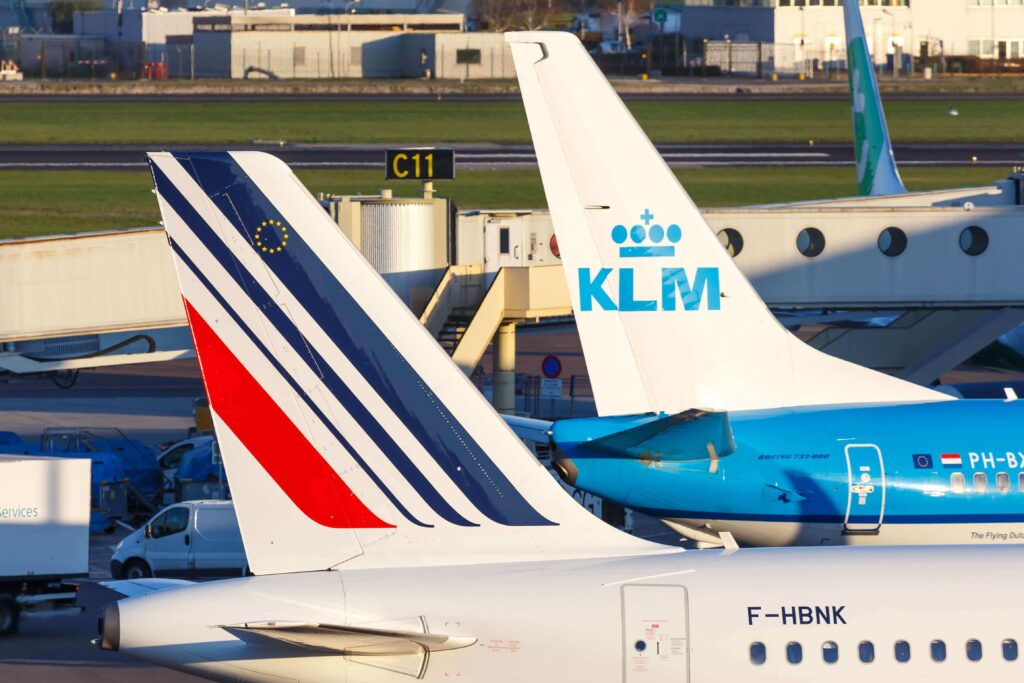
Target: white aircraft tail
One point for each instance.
(667, 320)
(876, 166)
(348, 435)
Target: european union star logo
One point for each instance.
(639, 235)
(923, 461)
(271, 237)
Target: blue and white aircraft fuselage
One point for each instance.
(821, 475)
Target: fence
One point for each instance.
(577, 397)
(97, 59)
(762, 60)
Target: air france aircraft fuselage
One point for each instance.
(821, 476)
(700, 616)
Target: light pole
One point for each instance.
(803, 43)
(892, 39)
(874, 43)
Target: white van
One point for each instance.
(193, 539)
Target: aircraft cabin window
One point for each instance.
(1020, 482)
(866, 651)
(1003, 482)
(830, 652)
(758, 653)
(1010, 650)
(974, 650)
(902, 651)
(794, 653)
(938, 651)
(980, 482)
(957, 482)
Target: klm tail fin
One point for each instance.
(876, 165)
(348, 435)
(667, 320)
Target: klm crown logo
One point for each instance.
(639, 234)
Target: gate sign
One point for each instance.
(551, 366)
(420, 164)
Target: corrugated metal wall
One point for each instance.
(350, 54)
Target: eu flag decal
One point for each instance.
(271, 237)
(923, 461)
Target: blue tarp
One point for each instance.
(112, 460)
(138, 461)
(10, 439)
(198, 465)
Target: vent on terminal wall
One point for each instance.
(59, 347)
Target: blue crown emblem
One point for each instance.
(640, 234)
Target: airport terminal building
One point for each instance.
(926, 29)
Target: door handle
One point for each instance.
(188, 539)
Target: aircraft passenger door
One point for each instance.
(865, 504)
(655, 634)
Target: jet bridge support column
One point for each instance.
(504, 397)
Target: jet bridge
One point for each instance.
(942, 266)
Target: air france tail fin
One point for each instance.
(667, 320)
(349, 436)
(876, 165)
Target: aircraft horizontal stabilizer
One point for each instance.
(529, 428)
(405, 652)
(133, 587)
(689, 435)
(349, 640)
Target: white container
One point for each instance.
(44, 517)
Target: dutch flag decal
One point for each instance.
(952, 460)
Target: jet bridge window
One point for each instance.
(1010, 650)
(1003, 482)
(810, 242)
(758, 654)
(980, 482)
(974, 650)
(958, 483)
(974, 240)
(938, 651)
(830, 652)
(892, 241)
(866, 651)
(902, 651)
(794, 653)
(732, 240)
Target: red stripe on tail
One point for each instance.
(264, 429)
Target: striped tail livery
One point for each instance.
(348, 435)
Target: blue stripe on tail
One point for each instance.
(363, 343)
